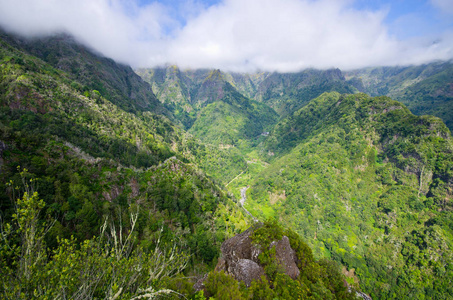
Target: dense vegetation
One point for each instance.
(89, 71)
(210, 106)
(97, 172)
(285, 93)
(363, 180)
(320, 279)
(425, 89)
(234, 121)
(90, 161)
(368, 184)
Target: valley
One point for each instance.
(357, 177)
(154, 169)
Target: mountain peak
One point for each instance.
(215, 75)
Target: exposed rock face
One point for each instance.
(363, 296)
(246, 270)
(199, 285)
(286, 257)
(240, 258)
(240, 247)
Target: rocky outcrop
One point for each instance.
(240, 258)
(246, 270)
(286, 257)
(363, 296)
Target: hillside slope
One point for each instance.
(284, 92)
(362, 180)
(210, 105)
(227, 117)
(288, 92)
(369, 184)
(425, 89)
(91, 71)
(105, 196)
(91, 158)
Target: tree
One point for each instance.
(109, 266)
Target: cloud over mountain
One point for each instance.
(283, 35)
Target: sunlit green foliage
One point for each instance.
(219, 113)
(362, 179)
(91, 160)
(235, 124)
(425, 89)
(108, 266)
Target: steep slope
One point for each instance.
(284, 92)
(364, 181)
(91, 159)
(369, 184)
(288, 92)
(96, 76)
(210, 105)
(425, 89)
(247, 83)
(227, 117)
(189, 87)
(170, 88)
(126, 202)
(91, 71)
(184, 92)
(193, 90)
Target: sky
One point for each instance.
(246, 35)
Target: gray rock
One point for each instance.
(199, 285)
(246, 270)
(240, 247)
(240, 258)
(286, 257)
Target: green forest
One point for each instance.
(117, 186)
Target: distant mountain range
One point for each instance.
(153, 172)
(425, 89)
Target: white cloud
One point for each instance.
(241, 35)
(119, 29)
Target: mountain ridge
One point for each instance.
(93, 71)
(352, 182)
(425, 89)
(365, 183)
